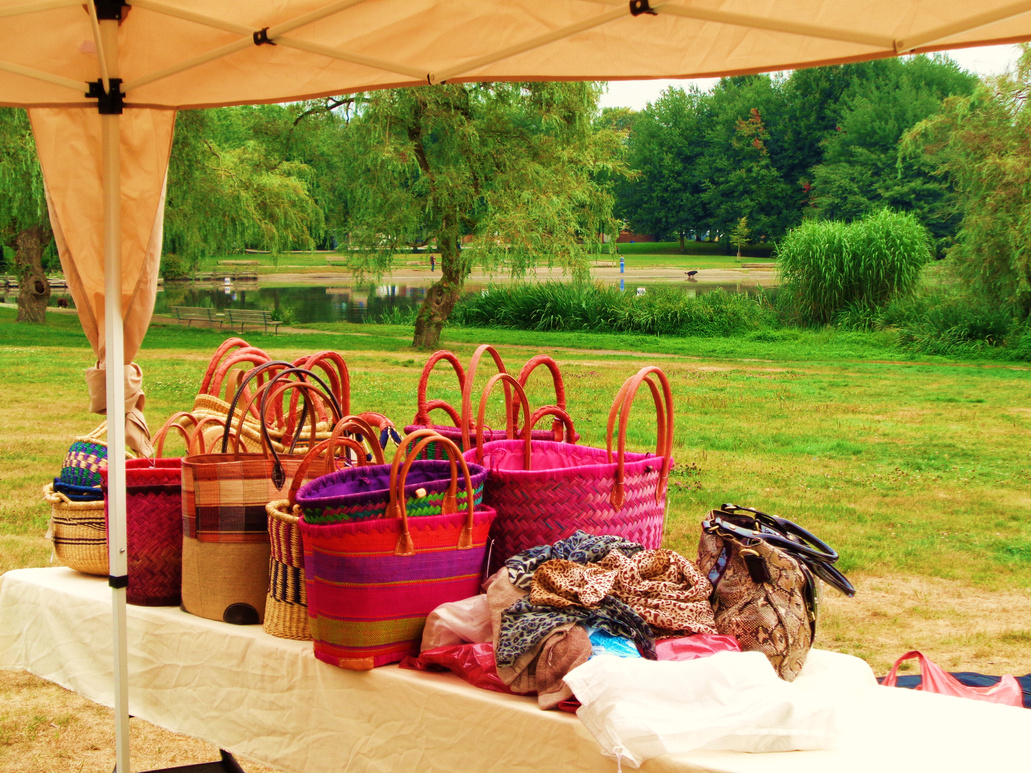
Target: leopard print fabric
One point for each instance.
(663, 587)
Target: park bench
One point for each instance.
(244, 317)
(191, 314)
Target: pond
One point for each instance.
(351, 304)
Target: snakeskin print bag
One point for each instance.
(763, 570)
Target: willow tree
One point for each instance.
(233, 184)
(982, 145)
(502, 175)
(24, 225)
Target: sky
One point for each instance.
(988, 60)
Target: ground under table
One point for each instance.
(269, 699)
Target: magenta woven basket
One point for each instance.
(371, 583)
(569, 487)
(153, 515)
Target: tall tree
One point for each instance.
(740, 177)
(861, 169)
(511, 165)
(982, 144)
(665, 145)
(24, 224)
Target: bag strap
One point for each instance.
(274, 391)
(335, 368)
(532, 364)
(397, 507)
(663, 398)
(241, 393)
(423, 407)
(788, 536)
(216, 359)
(467, 394)
(510, 432)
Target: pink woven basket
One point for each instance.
(544, 491)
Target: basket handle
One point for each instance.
(423, 408)
(224, 380)
(560, 393)
(174, 422)
(511, 385)
(396, 507)
(330, 445)
(223, 349)
(562, 421)
(312, 394)
(243, 394)
(467, 393)
(664, 419)
(335, 368)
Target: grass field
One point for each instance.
(915, 470)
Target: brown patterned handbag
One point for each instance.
(763, 570)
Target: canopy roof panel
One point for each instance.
(199, 53)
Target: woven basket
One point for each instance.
(154, 536)
(545, 491)
(78, 532)
(372, 583)
(286, 606)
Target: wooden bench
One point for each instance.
(244, 317)
(191, 314)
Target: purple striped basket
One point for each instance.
(371, 583)
(362, 493)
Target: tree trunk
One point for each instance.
(683, 245)
(441, 297)
(34, 289)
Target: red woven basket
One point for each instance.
(154, 536)
(545, 491)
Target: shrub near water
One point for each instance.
(830, 267)
(597, 308)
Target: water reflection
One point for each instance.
(357, 304)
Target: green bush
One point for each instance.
(568, 307)
(829, 267)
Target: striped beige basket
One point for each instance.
(286, 607)
(78, 532)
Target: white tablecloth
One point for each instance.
(270, 700)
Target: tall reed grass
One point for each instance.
(557, 306)
(830, 267)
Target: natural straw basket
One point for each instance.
(78, 532)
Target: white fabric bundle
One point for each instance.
(639, 709)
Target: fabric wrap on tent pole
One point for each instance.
(68, 141)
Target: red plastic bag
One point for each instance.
(473, 662)
(937, 680)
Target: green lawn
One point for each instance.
(915, 470)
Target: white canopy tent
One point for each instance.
(103, 80)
